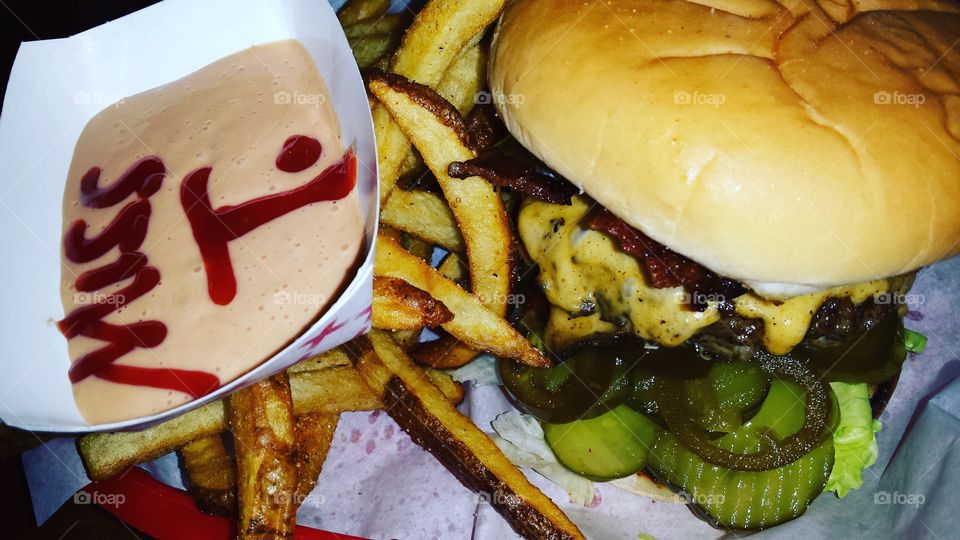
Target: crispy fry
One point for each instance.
(419, 408)
(473, 323)
(261, 420)
(426, 119)
(211, 475)
(109, 454)
(407, 338)
(355, 11)
(464, 79)
(443, 353)
(424, 215)
(453, 268)
(333, 358)
(314, 433)
(451, 389)
(441, 30)
(397, 305)
(331, 391)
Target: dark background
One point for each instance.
(29, 20)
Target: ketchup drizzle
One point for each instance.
(299, 153)
(213, 229)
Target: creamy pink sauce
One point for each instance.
(228, 122)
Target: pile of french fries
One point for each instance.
(424, 72)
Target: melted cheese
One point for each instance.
(597, 288)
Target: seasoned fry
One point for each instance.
(451, 389)
(261, 420)
(453, 268)
(424, 215)
(355, 11)
(441, 30)
(473, 323)
(463, 80)
(109, 454)
(314, 433)
(333, 358)
(443, 353)
(419, 408)
(331, 391)
(407, 338)
(397, 305)
(211, 475)
(430, 123)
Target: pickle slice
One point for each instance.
(748, 499)
(612, 445)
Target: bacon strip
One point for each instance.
(504, 171)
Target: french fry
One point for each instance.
(451, 389)
(407, 338)
(425, 215)
(331, 391)
(109, 454)
(473, 323)
(464, 79)
(397, 305)
(211, 475)
(355, 11)
(314, 433)
(336, 357)
(453, 268)
(426, 120)
(261, 420)
(441, 30)
(422, 411)
(444, 353)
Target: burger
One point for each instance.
(726, 206)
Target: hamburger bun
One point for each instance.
(790, 150)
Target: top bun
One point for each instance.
(791, 148)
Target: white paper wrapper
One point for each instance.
(55, 87)
(376, 483)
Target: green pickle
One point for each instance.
(612, 445)
(748, 499)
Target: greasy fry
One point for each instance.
(261, 420)
(444, 353)
(440, 31)
(424, 215)
(109, 454)
(464, 79)
(475, 204)
(397, 305)
(453, 268)
(314, 433)
(451, 389)
(419, 408)
(473, 323)
(355, 11)
(407, 338)
(331, 391)
(330, 359)
(211, 475)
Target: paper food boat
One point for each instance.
(55, 88)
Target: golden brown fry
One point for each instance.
(464, 79)
(444, 353)
(421, 410)
(397, 305)
(425, 215)
(473, 323)
(441, 30)
(333, 358)
(355, 11)
(453, 268)
(211, 475)
(418, 247)
(314, 433)
(261, 420)
(476, 205)
(407, 338)
(109, 454)
(331, 391)
(451, 389)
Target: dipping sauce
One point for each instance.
(207, 223)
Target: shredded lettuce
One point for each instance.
(520, 437)
(482, 371)
(854, 441)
